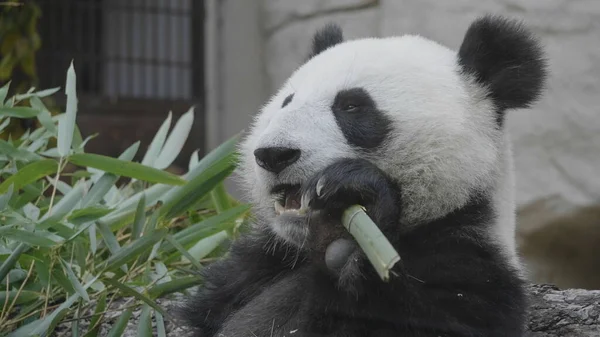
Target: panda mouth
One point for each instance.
(287, 199)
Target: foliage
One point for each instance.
(72, 240)
(19, 43)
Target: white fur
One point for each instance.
(445, 141)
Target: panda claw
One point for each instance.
(320, 185)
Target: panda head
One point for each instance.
(428, 116)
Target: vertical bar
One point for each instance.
(131, 59)
(197, 65)
(118, 51)
(168, 56)
(154, 55)
(92, 50)
(144, 14)
(80, 61)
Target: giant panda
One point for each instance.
(413, 131)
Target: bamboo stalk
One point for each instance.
(371, 240)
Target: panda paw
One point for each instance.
(345, 183)
(349, 182)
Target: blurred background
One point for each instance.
(138, 59)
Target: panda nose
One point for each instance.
(275, 159)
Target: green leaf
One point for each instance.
(28, 237)
(119, 326)
(205, 246)
(220, 198)
(157, 142)
(4, 124)
(63, 207)
(140, 218)
(4, 92)
(42, 325)
(38, 94)
(99, 189)
(24, 297)
(134, 249)
(5, 197)
(66, 125)
(160, 325)
(193, 160)
(95, 325)
(30, 173)
(208, 226)
(183, 252)
(126, 290)
(124, 168)
(18, 112)
(8, 264)
(145, 321)
(88, 214)
(74, 281)
(193, 191)
(16, 153)
(176, 140)
(175, 286)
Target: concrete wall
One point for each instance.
(557, 143)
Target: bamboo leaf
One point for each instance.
(8, 264)
(175, 286)
(22, 112)
(42, 325)
(4, 92)
(5, 197)
(63, 207)
(145, 321)
(66, 125)
(119, 327)
(208, 226)
(176, 140)
(125, 168)
(126, 290)
(74, 281)
(25, 296)
(28, 237)
(99, 189)
(157, 142)
(193, 160)
(131, 251)
(183, 252)
(30, 173)
(140, 218)
(94, 326)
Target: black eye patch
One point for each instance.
(361, 122)
(287, 100)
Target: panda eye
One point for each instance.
(349, 107)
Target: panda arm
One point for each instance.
(450, 283)
(233, 281)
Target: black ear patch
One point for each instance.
(325, 38)
(506, 58)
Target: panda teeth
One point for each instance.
(279, 210)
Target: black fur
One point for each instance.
(453, 280)
(325, 38)
(287, 100)
(356, 114)
(506, 58)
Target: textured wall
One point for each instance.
(557, 144)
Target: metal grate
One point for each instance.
(131, 49)
(135, 61)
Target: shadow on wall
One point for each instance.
(560, 242)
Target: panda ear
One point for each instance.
(325, 38)
(506, 58)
